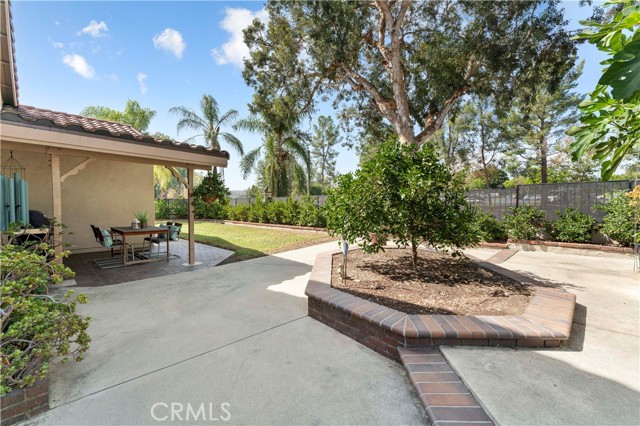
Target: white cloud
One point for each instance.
(95, 29)
(170, 40)
(56, 23)
(55, 44)
(79, 65)
(141, 78)
(236, 20)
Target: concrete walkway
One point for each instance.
(595, 379)
(236, 334)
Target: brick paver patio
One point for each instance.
(88, 274)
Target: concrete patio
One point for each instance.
(236, 334)
(239, 334)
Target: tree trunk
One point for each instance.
(483, 158)
(414, 252)
(543, 160)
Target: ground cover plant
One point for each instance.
(249, 242)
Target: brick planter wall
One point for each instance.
(545, 323)
(21, 404)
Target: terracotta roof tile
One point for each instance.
(64, 120)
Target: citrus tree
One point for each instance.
(405, 193)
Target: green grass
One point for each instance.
(249, 242)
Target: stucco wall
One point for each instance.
(105, 193)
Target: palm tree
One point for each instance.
(208, 124)
(133, 114)
(285, 159)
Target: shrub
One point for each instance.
(524, 222)
(163, 209)
(572, 226)
(489, 228)
(406, 193)
(179, 208)
(310, 214)
(619, 222)
(37, 328)
(239, 212)
(213, 210)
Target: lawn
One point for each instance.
(249, 242)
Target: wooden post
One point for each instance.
(56, 193)
(192, 215)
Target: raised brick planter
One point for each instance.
(21, 404)
(545, 323)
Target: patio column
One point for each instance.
(192, 216)
(57, 203)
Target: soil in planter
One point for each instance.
(440, 284)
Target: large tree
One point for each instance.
(407, 62)
(536, 122)
(133, 114)
(323, 152)
(209, 124)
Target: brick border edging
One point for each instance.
(577, 246)
(276, 225)
(24, 403)
(546, 322)
(444, 396)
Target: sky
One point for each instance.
(163, 54)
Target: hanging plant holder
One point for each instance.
(11, 167)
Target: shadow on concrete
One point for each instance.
(549, 283)
(575, 343)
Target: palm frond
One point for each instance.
(209, 107)
(230, 115)
(251, 124)
(248, 162)
(233, 141)
(188, 119)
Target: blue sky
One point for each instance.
(162, 54)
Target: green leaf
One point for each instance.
(624, 76)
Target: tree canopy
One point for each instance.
(209, 124)
(133, 114)
(403, 61)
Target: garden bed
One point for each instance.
(546, 322)
(439, 284)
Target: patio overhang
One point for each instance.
(36, 130)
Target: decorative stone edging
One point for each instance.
(545, 323)
(21, 404)
(446, 399)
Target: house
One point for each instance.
(84, 171)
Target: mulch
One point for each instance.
(440, 284)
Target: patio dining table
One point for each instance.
(126, 231)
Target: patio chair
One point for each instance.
(173, 235)
(106, 239)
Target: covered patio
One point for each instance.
(82, 171)
(89, 274)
